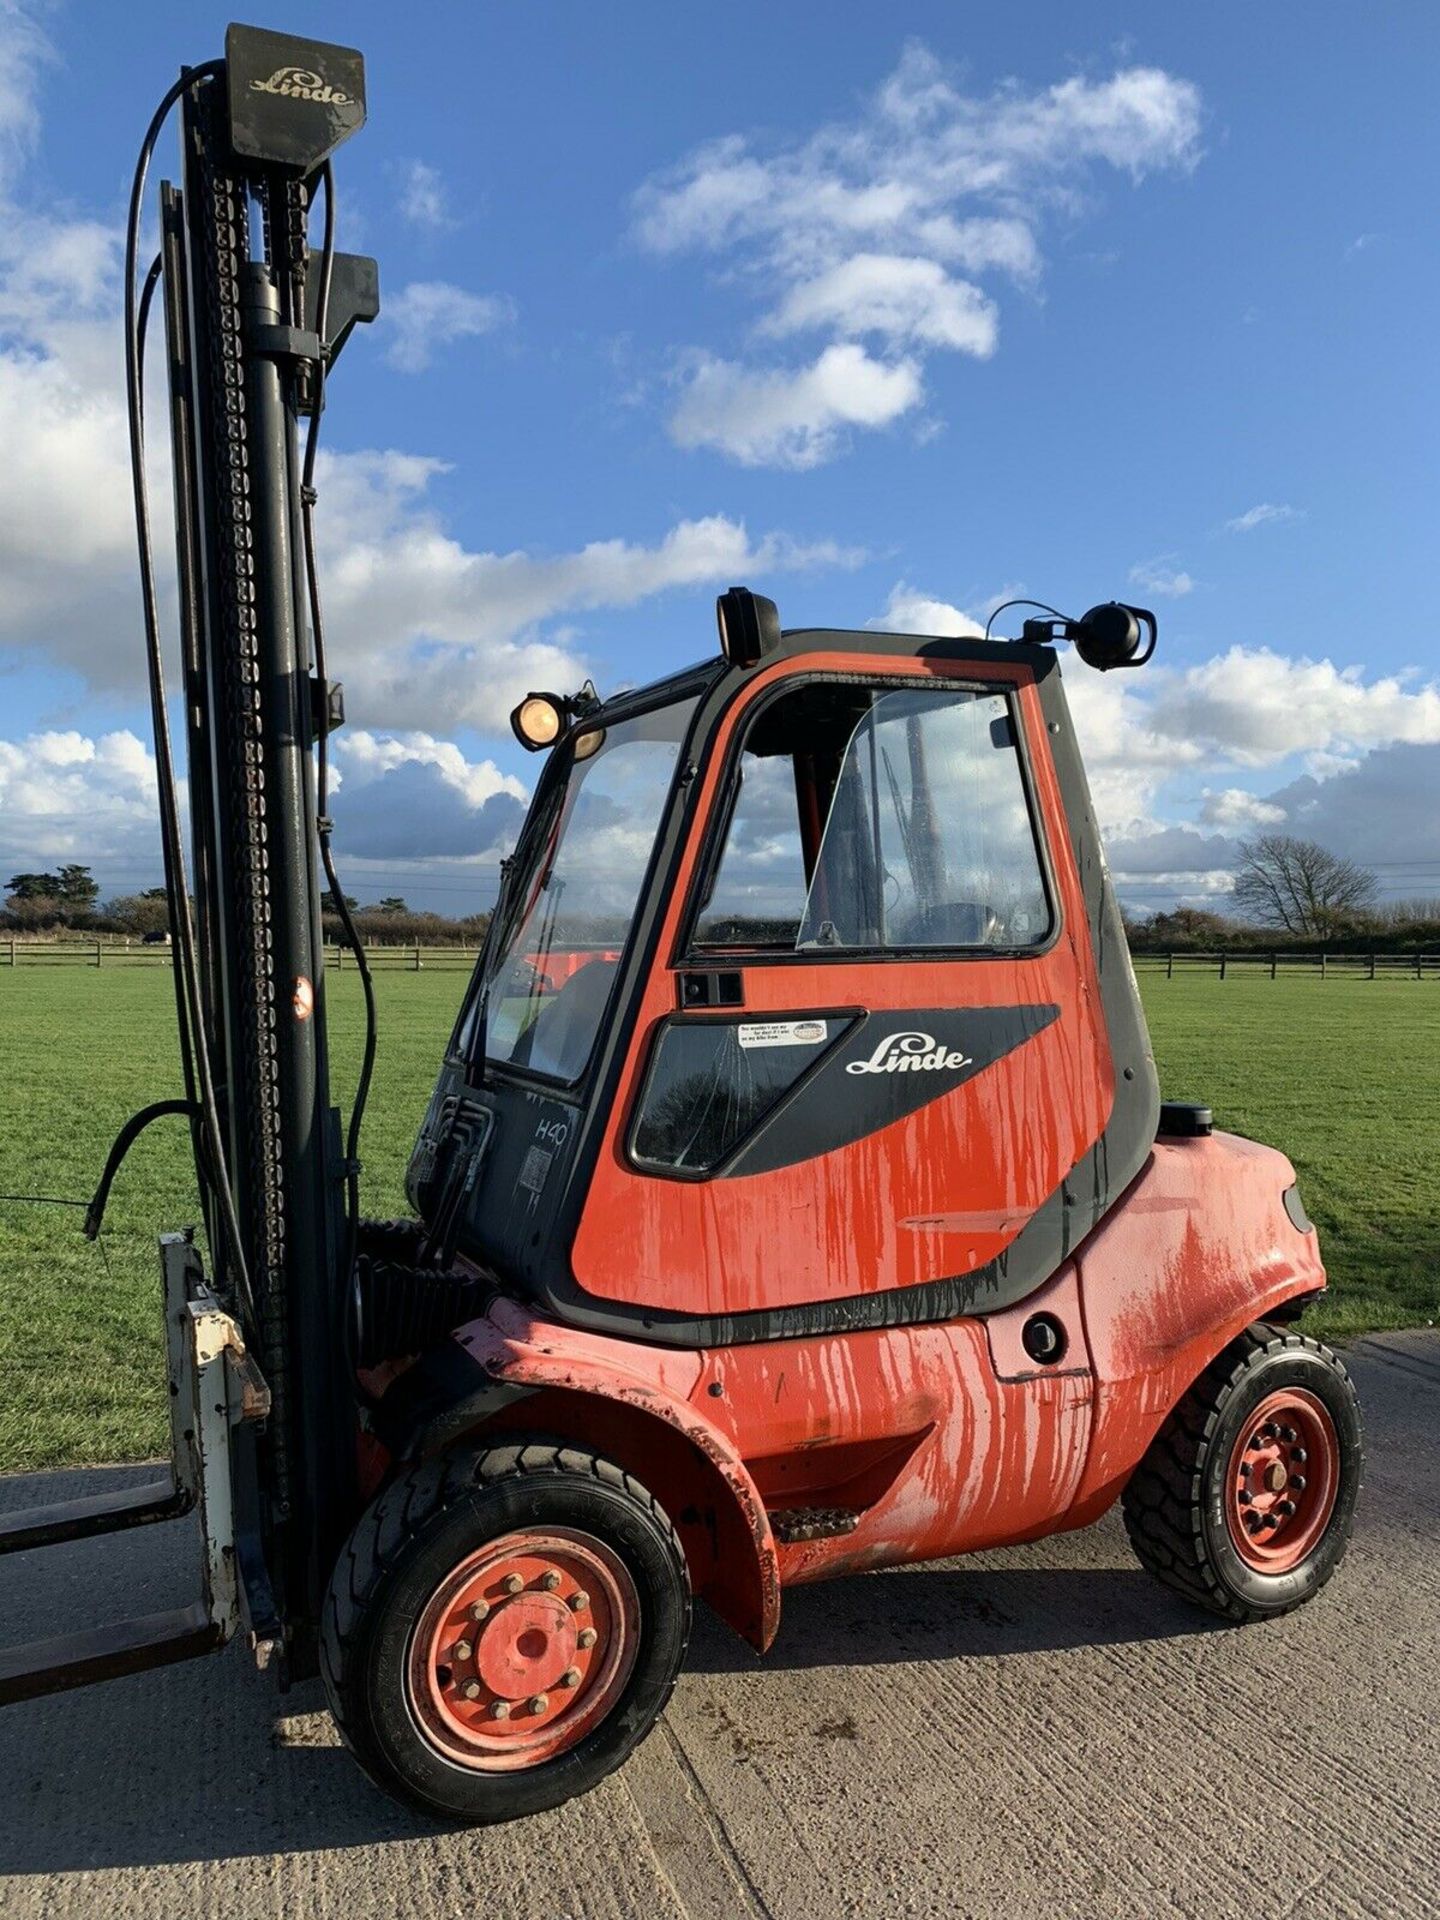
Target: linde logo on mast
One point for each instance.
(299, 83)
(910, 1053)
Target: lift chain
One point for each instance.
(237, 673)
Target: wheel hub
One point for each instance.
(1281, 1481)
(523, 1648)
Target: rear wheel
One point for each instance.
(1245, 1500)
(503, 1628)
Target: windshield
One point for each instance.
(571, 899)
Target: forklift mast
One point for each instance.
(253, 319)
(246, 363)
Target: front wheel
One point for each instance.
(503, 1627)
(1245, 1500)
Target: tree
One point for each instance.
(33, 886)
(327, 902)
(64, 896)
(392, 903)
(141, 914)
(1299, 886)
(78, 888)
(1188, 927)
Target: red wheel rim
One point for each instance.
(1281, 1480)
(522, 1649)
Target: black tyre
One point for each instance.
(503, 1628)
(1245, 1500)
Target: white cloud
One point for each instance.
(24, 50)
(425, 625)
(1368, 812)
(790, 419)
(67, 796)
(424, 201)
(430, 314)
(420, 623)
(416, 797)
(1255, 707)
(1162, 577)
(919, 152)
(861, 228)
(1236, 810)
(370, 756)
(1247, 709)
(908, 302)
(1267, 514)
(909, 611)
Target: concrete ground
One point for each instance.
(1040, 1731)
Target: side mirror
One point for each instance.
(1110, 636)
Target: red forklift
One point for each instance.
(796, 1197)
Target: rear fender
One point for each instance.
(589, 1389)
(1201, 1246)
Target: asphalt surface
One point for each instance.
(1039, 1731)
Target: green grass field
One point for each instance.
(1343, 1074)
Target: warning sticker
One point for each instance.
(534, 1168)
(785, 1033)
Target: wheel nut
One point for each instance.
(539, 1702)
(471, 1689)
(570, 1677)
(1286, 1507)
(461, 1650)
(501, 1710)
(1299, 1456)
(1297, 1481)
(480, 1611)
(512, 1583)
(1245, 1496)
(579, 1601)
(586, 1637)
(549, 1581)
(1272, 1519)
(1289, 1436)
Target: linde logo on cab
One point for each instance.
(910, 1053)
(298, 83)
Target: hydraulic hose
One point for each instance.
(189, 1009)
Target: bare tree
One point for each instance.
(1300, 886)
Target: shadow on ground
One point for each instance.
(189, 1764)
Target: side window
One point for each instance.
(712, 1081)
(874, 817)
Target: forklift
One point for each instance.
(796, 1196)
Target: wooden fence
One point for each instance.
(421, 959)
(1345, 966)
(137, 953)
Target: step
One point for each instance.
(794, 1524)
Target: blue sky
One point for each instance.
(883, 311)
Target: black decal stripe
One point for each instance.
(856, 1090)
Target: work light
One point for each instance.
(539, 720)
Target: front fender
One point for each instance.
(583, 1381)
